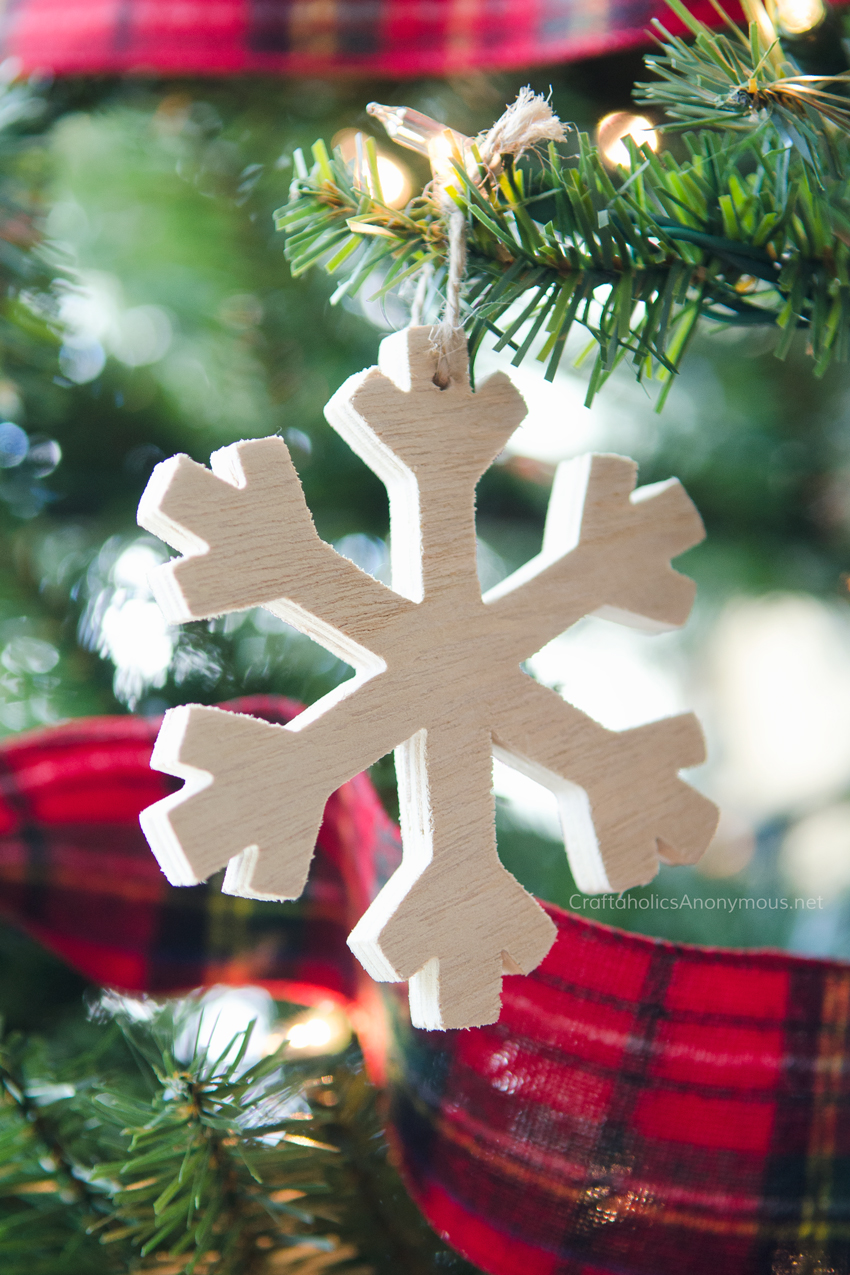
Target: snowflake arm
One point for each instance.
(606, 552)
(613, 841)
(429, 446)
(229, 813)
(248, 539)
(235, 811)
(451, 920)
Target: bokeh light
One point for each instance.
(123, 623)
(395, 181)
(796, 17)
(324, 1029)
(612, 128)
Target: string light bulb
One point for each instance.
(613, 128)
(417, 132)
(408, 127)
(526, 124)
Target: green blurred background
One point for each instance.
(161, 317)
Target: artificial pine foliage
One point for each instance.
(749, 225)
(740, 83)
(131, 1156)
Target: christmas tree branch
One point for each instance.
(197, 1163)
(739, 83)
(217, 1170)
(740, 230)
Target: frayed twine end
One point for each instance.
(526, 123)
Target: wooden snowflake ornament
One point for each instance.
(438, 679)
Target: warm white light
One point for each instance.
(133, 568)
(141, 335)
(312, 1034)
(732, 847)
(395, 182)
(96, 320)
(795, 17)
(611, 130)
(324, 1029)
(443, 152)
(213, 1019)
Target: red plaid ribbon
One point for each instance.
(77, 873)
(640, 1108)
(301, 37)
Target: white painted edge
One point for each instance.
(417, 852)
(580, 840)
(155, 820)
(238, 873)
(423, 991)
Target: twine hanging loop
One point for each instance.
(525, 124)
